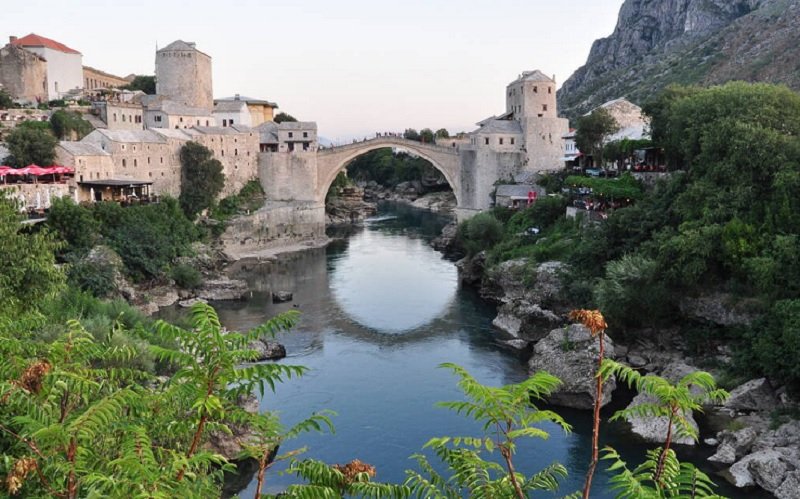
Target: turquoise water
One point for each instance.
(380, 311)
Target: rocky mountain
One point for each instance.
(659, 42)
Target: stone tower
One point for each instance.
(531, 100)
(183, 74)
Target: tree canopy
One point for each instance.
(145, 83)
(69, 125)
(31, 142)
(593, 132)
(201, 179)
(284, 117)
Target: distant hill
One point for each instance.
(659, 42)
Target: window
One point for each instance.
(305, 135)
(544, 107)
(224, 122)
(536, 90)
(135, 163)
(115, 117)
(157, 118)
(549, 90)
(162, 160)
(291, 135)
(198, 122)
(124, 163)
(486, 140)
(222, 152)
(148, 160)
(230, 122)
(501, 141)
(512, 141)
(236, 152)
(181, 119)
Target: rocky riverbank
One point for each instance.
(414, 193)
(753, 449)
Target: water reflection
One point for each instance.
(379, 286)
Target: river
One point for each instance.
(380, 311)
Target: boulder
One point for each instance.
(755, 395)
(719, 308)
(282, 296)
(514, 280)
(655, 429)
(521, 320)
(222, 289)
(734, 445)
(162, 296)
(790, 488)
(190, 302)
(447, 241)
(230, 445)
(766, 468)
(787, 435)
(470, 269)
(570, 353)
(267, 350)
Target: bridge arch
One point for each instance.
(333, 160)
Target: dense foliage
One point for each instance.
(69, 125)
(31, 142)
(284, 117)
(201, 179)
(145, 83)
(6, 101)
(389, 169)
(593, 131)
(727, 223)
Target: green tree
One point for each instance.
(6, 102)
(411, 134)
(284, 117)
(68, 125)
(480, 232)
(593, 132)
(426, 135)
(74, 224)
(201, 179)
(28, 274)
(148, 238)
(31, 144)
(442, 133)
(145, 83)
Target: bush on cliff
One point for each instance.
(201, 179)
(479, 233)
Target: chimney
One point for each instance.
(12, 39)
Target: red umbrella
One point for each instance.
(37, 170)
(61, 169)
(17, 171)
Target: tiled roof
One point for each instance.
(82, 149)
(500, 126)
(130, 136)
(534, 75)
(230, 106)
(297, 125)
(248, 100)
(509, 190)
(34, 40)
(268, 132)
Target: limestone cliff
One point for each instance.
(659, 42)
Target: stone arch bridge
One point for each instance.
(297, 182)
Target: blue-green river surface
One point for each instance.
(380, 311)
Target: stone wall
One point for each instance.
(238, 154)
(95, 79)
(23, 74)
(276, 224)
(544, 143)
(36, 196)
(289, 177)
(185, 76)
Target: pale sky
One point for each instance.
(353, 66)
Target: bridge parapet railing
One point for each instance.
(392, 140)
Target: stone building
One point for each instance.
(162, 112)
(255, 112)
(529, 127)
(633, 125)
(297, 136)
(183, 75)
(64, 64)
(23, 74)
(94, 79)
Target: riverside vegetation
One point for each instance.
(724, 221)
(96, 401)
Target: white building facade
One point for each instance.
(64, 65)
